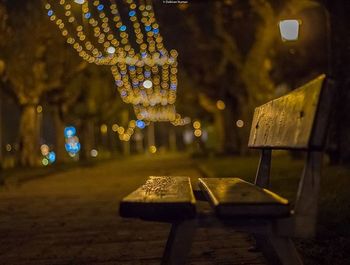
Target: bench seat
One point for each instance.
(234, 197)
(161, 198)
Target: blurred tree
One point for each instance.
(233, 58)
(339, 142)
(25, 69)
(98, 103)
(60, 99)
(31, 69)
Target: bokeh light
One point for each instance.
(239, 123)
(104, 129)
(44, 149)
(111, 50)
(147, 84)
(45, 161)
(94, 153)
(8, 148)
(196, 124)
(220, 105)
(69, 131)
(115, 127)
(39, 109)
(198, 133)
(140, 124)
(152, 149)
(51, 157)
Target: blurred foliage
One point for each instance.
(231, 50)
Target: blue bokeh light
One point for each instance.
(148, 28)
(100, 7)
(132, 13)
(51, 157)
(147, 74)
(119, 83)
(88, 15)
(122, 28)
(141, 124)
(72, 148)
(69, 131)
(50, 13)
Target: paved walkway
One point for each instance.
(72, 218)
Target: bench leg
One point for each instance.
(283, 251)
(179, 243)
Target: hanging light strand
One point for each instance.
(147, 79)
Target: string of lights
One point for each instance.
(125, 133)
(146, 78)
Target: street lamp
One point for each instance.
(289, 29)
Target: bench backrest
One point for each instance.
(297, 120)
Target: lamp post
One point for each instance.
(2, 69)
(290, 29)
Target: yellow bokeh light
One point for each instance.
(115, 127)
(104, 128)
(197, 133)
(45, 161)
(152, 149)
(220, 105)
(196, 124)
(39, 109)
(132, 123)
(126, 137)
(120, 130)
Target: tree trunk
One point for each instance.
(219, 121)
(29, 149)
(233, 137)
(61, 154)
(150, 135)
(172, 140)
(138, 136)
(126, 148)
(87, 138)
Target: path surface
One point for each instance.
(71, 218)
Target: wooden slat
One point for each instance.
(287, 122)
(236, 197)
(161, 198)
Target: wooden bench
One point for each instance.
(296, 121)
